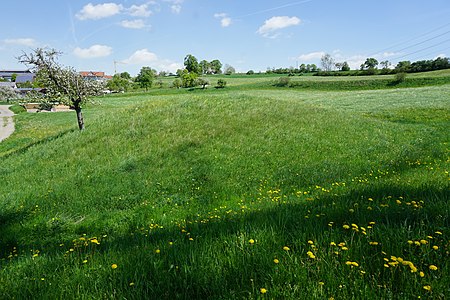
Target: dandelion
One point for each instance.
(410, 242)
(321, 283)
(191, 239)
(433, 267)
(427, 287)
(373, 243)
(276, 261)
(435, 247)
(114, 266)
(346, 226)
(438, 232)
(95, 241)
(423, 242)
(310, 242)
(344, 248)
(131, 283)
(421, 274)
(263, 290)
(332, 244)
(251, 241)
(84, 261)
(157, 251)
(311, 255)
(286, 248)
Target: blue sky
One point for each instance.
(242, 33)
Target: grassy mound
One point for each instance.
(232, 194)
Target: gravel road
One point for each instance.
(6, 122)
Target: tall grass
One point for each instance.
(232, 194)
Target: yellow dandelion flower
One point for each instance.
(286, 248)
(321, 283)
(421, 274)
(438, 232)
(157, 251)
(433, 267)
(386, 265)
(424, 242)
(311, 255)
(427, 287)
(344, 248)
(332, 244)
(84, 261)
(373, 243)
(114, 266)
(435, 247)
(131, 283)
(263, 290)
(410, 242)
(191, 239)
(95, 241)
(276, 261)
(346, 226)
(372, 223)
(348, 263)
(310, 242)
(417, 243)
(251, 241)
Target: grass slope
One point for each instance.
(231, 194)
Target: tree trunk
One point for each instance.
(79, 117)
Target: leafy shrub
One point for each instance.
(283, 82)
(7, 93)
(221, 83)
(400, 77)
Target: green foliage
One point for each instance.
(283, 82)
(188, 79)
(202, 82)
(216, 66)
(191, 64)
(400, 77)
(119, 83)
(345, 67)
(145, 77)
(177, 83)
(7, 94)
(221, 83)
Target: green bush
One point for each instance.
(221, 83)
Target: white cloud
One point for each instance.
(175, 5)
(145, 57)
(133, 24)
(272, 25)
(140, 10)
(99, 11)
(21, 42)
(93, 51)
(311, 56)
(225, 21)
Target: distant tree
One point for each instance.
(63, 84)
(179, 72)
(228, 70)
(250, 72)
(205, 66)
(385, 64)
(202, 82)
(327, 62)
(191, 64)
(177, 83)
(370, 64)
(338, 66)
(125, 75)
(221, 83)
(118, 83)
(216, 66)
(162, 74)
(345, 66)
(189, 79)
(313, 68)
(145, 77)
(302, 68)
(403, 66)
(7, 93)
(13, 77)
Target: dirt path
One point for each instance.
(6, 122)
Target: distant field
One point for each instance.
(249, 192)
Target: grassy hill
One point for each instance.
(252, 191)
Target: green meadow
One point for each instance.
(328, 188)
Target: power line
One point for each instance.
(423, 41)
(435, 45)
(412, 39)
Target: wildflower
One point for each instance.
(311, 255)
(427, 287)
(321, 283)
(435, 247)
(410, 242)
(276, 261)
(438, 232)
(95, 241)
(332, 244)
(84, 261)
(346, 226)
(344, 248)
(114, 266)
(421, 274)
(191, 239)
(373, 243)
(433, 267)
(417, 243)
(386, 265)
(310, 242)
(157, 251)
(372, 223)
(424, 242)
(286, 248)
(263, 290)
(131, 283)
(251, 241)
